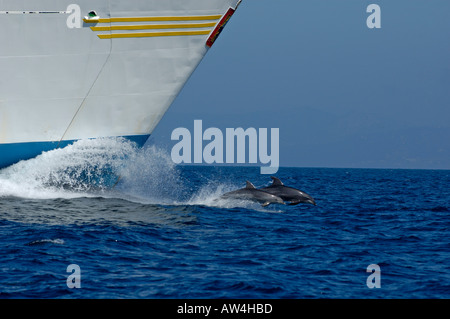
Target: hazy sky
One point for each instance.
(342, 95)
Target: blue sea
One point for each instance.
(161, 232)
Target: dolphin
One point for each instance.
(288, 194)
(251, 193)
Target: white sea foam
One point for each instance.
(150, 176)
(70, 172)
(91, 168)
(46, 241)
(209, 195)
(88, 168)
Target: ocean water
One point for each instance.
(162, 233)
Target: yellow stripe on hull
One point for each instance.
(154, 26)
(151, 34)
(150, 19)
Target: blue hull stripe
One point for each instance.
(16, 152)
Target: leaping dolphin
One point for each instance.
(251, 193)
(288, 194)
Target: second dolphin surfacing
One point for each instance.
(288, 194)
(251, 193)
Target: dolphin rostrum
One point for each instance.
(288, 194)
(252, 194)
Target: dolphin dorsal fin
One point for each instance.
(276, 181)
(250, 185)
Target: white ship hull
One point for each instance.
(115, 74)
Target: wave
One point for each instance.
(46, 241)
(79, 170)
(109, 168)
